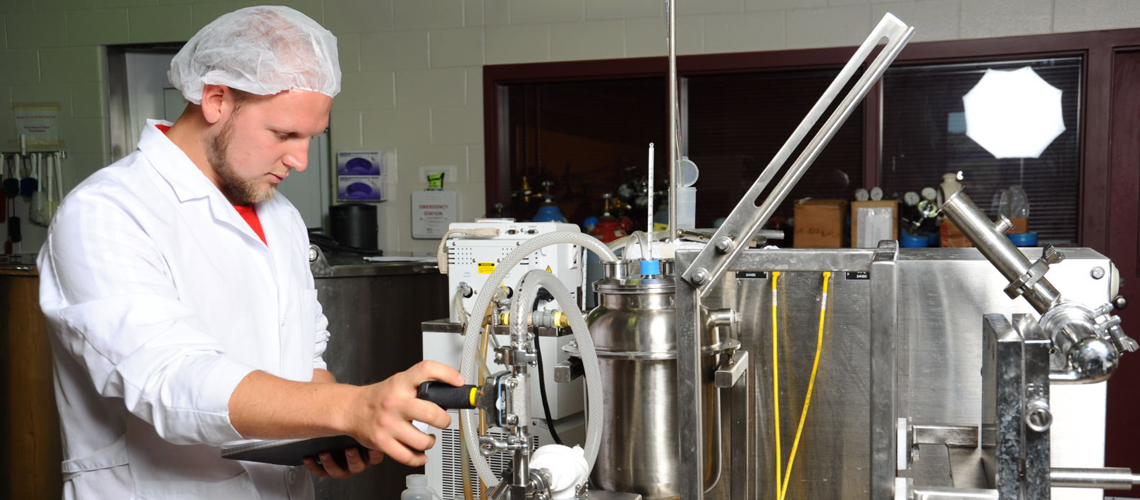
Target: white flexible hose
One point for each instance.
(458, 314)
(624, 240)
(483, 300)
(528, 288)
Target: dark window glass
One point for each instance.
(737, 123)
(587, 137)
(923, 138)
(591, 137)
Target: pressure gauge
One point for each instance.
(862, 195)
(929, 193)
(876, 193)
(911, 198)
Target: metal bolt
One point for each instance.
(724, 244)
(1097, 272)
(700, 276)
(1039, 418)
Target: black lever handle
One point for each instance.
(448, 396)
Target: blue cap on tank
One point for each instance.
(650, 267)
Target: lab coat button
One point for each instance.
(292, 475)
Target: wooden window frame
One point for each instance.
(1095, 47)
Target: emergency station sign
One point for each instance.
(432, 212)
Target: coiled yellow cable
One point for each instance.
(782, 489)
(776, 381)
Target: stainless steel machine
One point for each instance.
(920, 374)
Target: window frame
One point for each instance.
(1095, 47)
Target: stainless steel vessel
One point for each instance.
(633, 331)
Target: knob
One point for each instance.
(1119, 302)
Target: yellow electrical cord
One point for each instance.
(776, 381)
(807, 399)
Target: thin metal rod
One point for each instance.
(671, 28)
(649, 202)
(1109, 478)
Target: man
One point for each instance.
(177, 289)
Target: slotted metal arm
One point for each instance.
(747, 217)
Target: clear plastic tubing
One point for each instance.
(577, 325)
(527, 289)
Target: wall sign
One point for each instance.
(38, 123)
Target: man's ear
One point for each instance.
(215, 105)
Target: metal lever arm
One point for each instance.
(747, 217)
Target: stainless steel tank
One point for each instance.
(633, 331)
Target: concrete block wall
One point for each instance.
(413, 68)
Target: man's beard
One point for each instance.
(238, 190)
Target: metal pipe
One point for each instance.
(997, 248)
(521, 477)
(942, 493)
(671, 28)
(1108, 478)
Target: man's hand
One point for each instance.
(329, 468)
(380, 417)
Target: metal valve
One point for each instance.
(488, 445)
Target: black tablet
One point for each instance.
(293, 451)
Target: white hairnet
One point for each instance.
(262, 50)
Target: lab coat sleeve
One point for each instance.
(110, 299)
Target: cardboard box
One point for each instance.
(874, 221)
(952, 237)
(1020, 225)
(820, 223)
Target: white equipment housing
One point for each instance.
(471, 259)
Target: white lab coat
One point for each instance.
(160, 298)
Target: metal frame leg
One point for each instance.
(736, 375)
(689, 384)
(884, 370)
